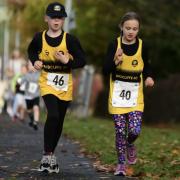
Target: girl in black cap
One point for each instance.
(55, 53)
(127, 64)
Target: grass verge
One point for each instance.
(158, 149)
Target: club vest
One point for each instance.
(126, 84)
(55, 78)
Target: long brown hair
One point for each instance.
(129, 16)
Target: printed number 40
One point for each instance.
(125, 94)
(58, 80)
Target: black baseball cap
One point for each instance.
(56, 9)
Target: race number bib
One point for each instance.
(125, 94)
(58, 81)
(32, 87)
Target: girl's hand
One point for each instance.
(118, 57)
(38, 65)
(31, 67)
(62, 57)
(149, 82)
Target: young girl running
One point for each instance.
(128, 66)
(32, 95)
(55, 53)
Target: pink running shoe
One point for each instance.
(120, 170)
(131, 154)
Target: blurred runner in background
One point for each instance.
(32, 95)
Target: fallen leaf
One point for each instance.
(21, 172)
(10, 152)
(76, 142)
(149, 175)
(143, 161)
(175, 152)
(140, 174)
(14, 174)
(178, 178)
(175, 162)
(63, 150)
(163, 144)
(83, 150)
(103, 168)
(130, 171)
(3, 166)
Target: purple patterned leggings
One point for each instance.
(127, 128)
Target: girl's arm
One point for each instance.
(75, 49)
(147, 71)
(35, 47)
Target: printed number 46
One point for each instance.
(58, 80)
(125, 94)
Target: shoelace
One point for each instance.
(45, 159)
(53, 160)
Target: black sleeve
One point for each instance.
(75, 49)
(147, 71)
(35, 47)
(109, 65)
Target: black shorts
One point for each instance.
(32, 102)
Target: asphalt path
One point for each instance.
(21, 152)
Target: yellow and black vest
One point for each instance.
(52, 75)
(129, 71)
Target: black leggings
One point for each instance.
(56, 110)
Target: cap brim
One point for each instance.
(57, 15)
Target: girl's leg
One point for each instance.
(134, 128)
(15, 106)
(56, 110)
(30, 111)
(120, 130)
(62, 106)
(36, 115)
(134, 125)
(31, 117)
(36, 109)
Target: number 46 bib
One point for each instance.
(125, 94)
(58, 81)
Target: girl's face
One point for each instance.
(130, 30)
(55, 24)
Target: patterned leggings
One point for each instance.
(126, 133)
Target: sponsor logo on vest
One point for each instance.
(134, 63)
(55, 68)
(46, 52)
(127, 77)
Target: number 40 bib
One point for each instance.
(125, 94)
(58, 81)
